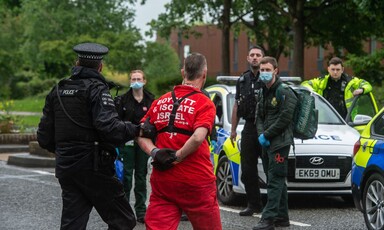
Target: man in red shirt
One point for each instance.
(188, 184)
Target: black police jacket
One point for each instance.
(247, 91)
(89, 117)
(125, 106)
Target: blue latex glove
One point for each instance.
(263, 141)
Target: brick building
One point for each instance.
(209, 44)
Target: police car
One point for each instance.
(321, 165)
(368, 173)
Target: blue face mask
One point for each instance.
(137, 85)
(266, 77)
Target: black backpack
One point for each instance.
(305, 119)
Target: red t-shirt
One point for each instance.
(194, 111)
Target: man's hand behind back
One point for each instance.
(163, 159)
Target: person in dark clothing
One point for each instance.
(132, 106)
(247, 90)
(81, 126)
(275, 111)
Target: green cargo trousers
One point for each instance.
(135, 163)
(276, 167)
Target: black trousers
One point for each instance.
(84, 190)
(250, 152)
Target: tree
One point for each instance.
(370, 66)
(268, 27)
(65, 21)
(126, 51)
(11, 33)
(183, 14)
(161, 66)
(283, 25)
(160, 61)
(37, 39)
(341, 23)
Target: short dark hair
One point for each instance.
(335, 61)
(271, 60)
(194, 65)
(256, 47)
(90, 63)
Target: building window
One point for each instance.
(186, 51)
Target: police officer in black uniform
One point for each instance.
(247, 90)
(80, 124)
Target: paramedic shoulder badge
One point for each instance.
(274, 102)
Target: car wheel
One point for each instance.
(224, 182)
(373, 202)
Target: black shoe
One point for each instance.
(140, 219)
(184, 217)
(249, 211)
(281, 222)
(264, 224)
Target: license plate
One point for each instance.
(302, 173)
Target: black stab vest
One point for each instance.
(75, 97)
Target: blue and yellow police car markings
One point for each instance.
(233, 155)
(365, 152)
(377, 156)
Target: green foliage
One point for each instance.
(283, 26)
(29, 104)
(22, 123)
(37, 38)
(343, 32)
(271, 31)
(57, 56)
(7, 119)
(48, 48)
(30, 123)
(125, 51)
(34, 87)
(162, 67)
(368, 67)
(166, 84)
(378, 92)
(182, 15)
(10, 38)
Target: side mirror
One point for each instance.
(360, 120)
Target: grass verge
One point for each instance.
(29, 105)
